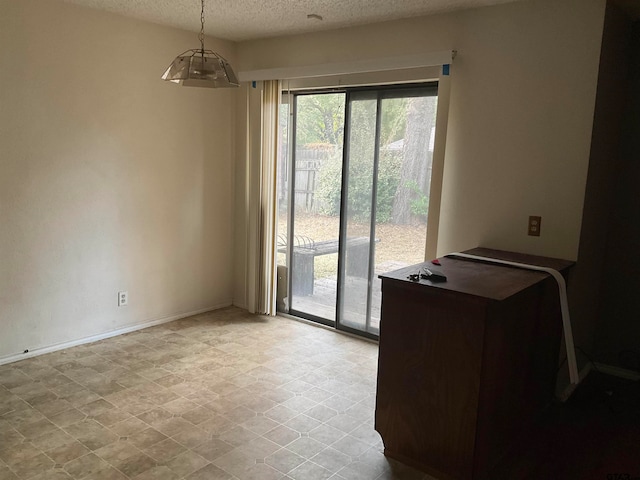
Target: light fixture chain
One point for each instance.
(201, 36)
(200, 67)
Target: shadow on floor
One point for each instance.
(595, 435)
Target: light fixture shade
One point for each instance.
(201, 68)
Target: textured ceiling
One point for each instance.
(251, 19)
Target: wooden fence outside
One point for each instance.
(309, 161)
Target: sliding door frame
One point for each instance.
(381, 92)
(291, 207)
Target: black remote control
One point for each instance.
(433, 276)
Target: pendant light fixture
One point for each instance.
(200, 67)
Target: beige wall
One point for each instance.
(110, 179)
(522, 101)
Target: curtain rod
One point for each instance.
(430, 59)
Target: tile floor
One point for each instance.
(223, 395)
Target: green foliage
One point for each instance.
(360, 185)
(320, 121)
(394, 120)
(388, 178)
(329, 189)
(419, 202)
(320, 118)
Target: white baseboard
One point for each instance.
(113, 333)
(617, 371)
(243, 306)
(566, 393)
(602, 368)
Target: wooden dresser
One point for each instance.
(465, 365)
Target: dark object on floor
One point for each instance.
(595, 435)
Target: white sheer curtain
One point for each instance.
(262, 147)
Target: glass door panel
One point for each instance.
(358, 212)
(388, 156)
(403, 187)
(315, 227)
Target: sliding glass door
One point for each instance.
(358, 214)
(359, 183)
(314, 208)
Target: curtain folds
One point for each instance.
(263, 117)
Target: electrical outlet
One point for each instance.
(534, 226)
(123, 299)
